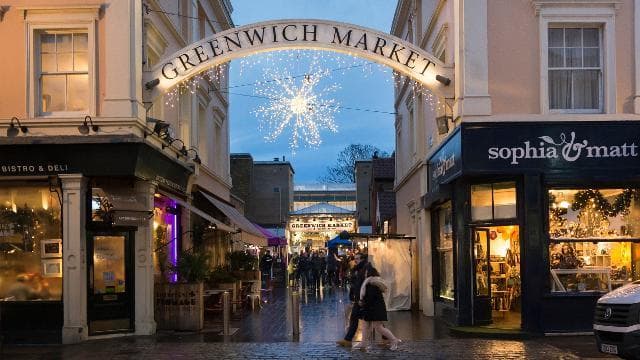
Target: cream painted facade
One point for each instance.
(498, 51)
(123, 38)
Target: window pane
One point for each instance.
(556, 37)
(586, 89)
(591, 37)
(445, 249)
(481, 202)
(591, 57)
(48, 62)
(80, 61)
(30, 223)
(559, 89)
(64, 43)
(591, 267)
(504, 200)
(80, 42)
(65, 62)
(53, 92)
(573, 37)
(556, 57)
(594, 213)
(482, 270)
(574, 57)
(48, 43)
(78, 92)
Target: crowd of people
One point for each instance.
(312, 268)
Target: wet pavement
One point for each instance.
(267, 334)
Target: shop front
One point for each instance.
(76, 254)
(533, 222)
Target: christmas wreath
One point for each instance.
(620, 205)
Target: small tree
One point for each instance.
(344, 169)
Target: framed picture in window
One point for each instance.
(51, 248)
(52, 268)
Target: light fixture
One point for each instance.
(443, 124)
(443, 80)
(160, 127)
(196, 159)
(183, 151)
(84, 128)
(13, 131)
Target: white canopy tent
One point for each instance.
(392, 257)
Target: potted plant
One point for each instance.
(243, 265)
(179, 305)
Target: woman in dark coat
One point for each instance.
(374, 308)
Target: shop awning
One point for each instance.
(272, 239)
(219, 224)
(248, 232)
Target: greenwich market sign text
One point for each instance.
(246, 40)
(565, 147)
(318, 226)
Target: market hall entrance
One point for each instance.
(110, 282)
(497, 289)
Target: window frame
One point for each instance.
(571, 14)
(80, 19)
(550, 241)
(438, 252)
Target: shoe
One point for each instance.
(394, 344)
(344, 343)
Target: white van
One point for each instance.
(617, 322)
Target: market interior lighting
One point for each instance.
(13, 131)
(84, 128)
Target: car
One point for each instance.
(617, 322)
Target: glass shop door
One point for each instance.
(481, 277)
(110, 282)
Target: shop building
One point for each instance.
(100, 188)
(520, 185)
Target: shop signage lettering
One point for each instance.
(565, 147)
(34, 169)
(444, 164)
(169, 183)
(282, 34)
(320, 226)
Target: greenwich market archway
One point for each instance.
(402, 56)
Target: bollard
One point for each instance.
(225, 313)
(295, 313)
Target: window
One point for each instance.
(61, 69)
(578, 55)
(30, 244)
(493, 201)
(446, 286)
(63, 77)
(575, 69)
(594, 239)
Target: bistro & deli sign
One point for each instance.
(227, 45)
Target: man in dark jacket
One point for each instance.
(266, 264)
(354, 295)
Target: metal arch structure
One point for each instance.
(402, 56)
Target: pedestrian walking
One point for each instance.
(374, 309)
(316, 268)
(357, 279)
(266, 264)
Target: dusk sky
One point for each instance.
(366, 88)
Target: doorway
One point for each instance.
(497, 285)
(110, 282)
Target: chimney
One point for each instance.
(276, 159)
(283, 158)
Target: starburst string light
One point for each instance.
(303, 104)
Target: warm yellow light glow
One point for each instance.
(564, 204)
(45, 200)
(155, 225)
(299, 104)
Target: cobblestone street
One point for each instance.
(266, 334)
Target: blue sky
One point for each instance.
(369, 89)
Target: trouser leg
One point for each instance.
(353, 322)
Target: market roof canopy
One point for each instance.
(386, 49)
(322, 208)
(249, 233)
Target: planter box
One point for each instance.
(179, 306)
(247, 274)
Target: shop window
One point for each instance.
(575, 71)
(493, 201)
(594, 239)
(30, 244)
(444, 249)
(165, 237)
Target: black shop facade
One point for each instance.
(533, 221)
